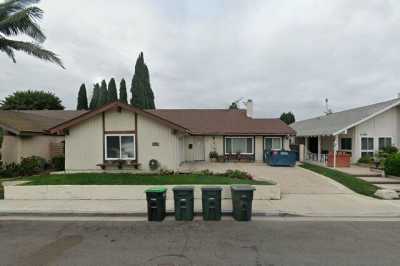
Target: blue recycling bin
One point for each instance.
(280, 158)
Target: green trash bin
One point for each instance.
(242, 200)
(183, 201)
(156, 203)
(211, 203)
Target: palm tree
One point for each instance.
(20, 17)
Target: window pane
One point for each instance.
(381, 143)
(127, 147)
(239, 145)
(113, 147)
(370, 143)
(268, 143)
(364, 143)
(346, 144)
(249, 145)
(228, 147)
(276, 144)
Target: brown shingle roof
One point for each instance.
(223, 122)
(29, 121)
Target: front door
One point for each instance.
(194, 148)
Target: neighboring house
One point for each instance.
(25, 134)
(361, 131)
(121, 135)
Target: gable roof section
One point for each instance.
(114, 105)
(336, 123)
(223, 122)
(34, 121)
(195, 121)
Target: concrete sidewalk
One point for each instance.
(334, 205)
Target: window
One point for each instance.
(120, 147)
(384, 143)
(242, 145)
(345, 144)
(367, 147)
(272, 143)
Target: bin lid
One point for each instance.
(211, 188)
(156, 189)
(242, 187)
(183, 188)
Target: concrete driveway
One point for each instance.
(292, 180)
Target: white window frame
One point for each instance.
(239, 137)
(120, 147)
(351, 144)
(280, 138)
(373, 144)
(385, 137)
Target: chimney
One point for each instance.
(249, 108)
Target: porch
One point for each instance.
(332, 151)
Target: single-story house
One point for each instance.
(119, 135)
(25, 134)
(357, 132)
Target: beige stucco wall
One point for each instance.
(16, 147)
(259, 148)
(84, 145)
(119, 121)
(213, 143)
(168, 153)
(10, 149)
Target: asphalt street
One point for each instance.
(260, 242)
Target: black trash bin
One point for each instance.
(183, 201)
(156, 203)
(211, 203)
(242, 200)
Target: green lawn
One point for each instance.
(136, 179)
(353, 183)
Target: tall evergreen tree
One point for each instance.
(288, 118)
(112, 91)
(95, 97)
(123, 96)
(82, 98)
(142, 94)
(103, 95)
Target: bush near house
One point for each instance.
(392, 165)
(29, 166)
(58, 163)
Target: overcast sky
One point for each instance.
(285, 55)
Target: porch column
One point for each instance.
(335, 148)
(319, 148)
(306, 148)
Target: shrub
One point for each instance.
(390, 150)
(28, 166)
(58, 163)
(166, 172)
(366, 159)
(392, 165)
(32, 165)
(238, 174)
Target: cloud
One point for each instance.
(287, 55)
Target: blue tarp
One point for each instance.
(280, 158)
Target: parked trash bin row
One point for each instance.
(242, 198)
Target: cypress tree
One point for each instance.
(142, 94)
(112, 91)
(82, 98)
(95, 97)
(103, 95)
(123, 96)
